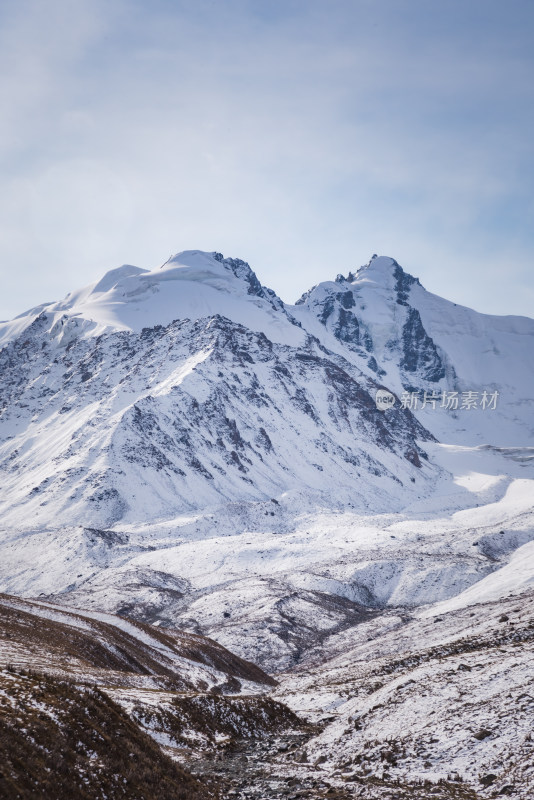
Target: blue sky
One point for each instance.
(302, 136)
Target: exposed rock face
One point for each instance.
(420, 357)
(243, 271)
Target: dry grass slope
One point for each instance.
(59, 742)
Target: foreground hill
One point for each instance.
(402, 707)
(87, 701)
(59, 741)
(85, 644)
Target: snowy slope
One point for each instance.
(415, 341)
(270, 580)
(445, 700)
(514, 578)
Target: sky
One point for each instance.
(299, 135)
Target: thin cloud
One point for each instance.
(301, 137)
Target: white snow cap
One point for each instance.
(192, 284)
(382, 270)
(194, 258)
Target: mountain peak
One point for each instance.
(191, 284)
(212, 268)
(379, 269)
(387, 273)
(380, 264)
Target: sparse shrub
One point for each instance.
(483, 733)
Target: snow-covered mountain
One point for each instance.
(416, 342)
(181, 448)
(154, 393)
(189, 398)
